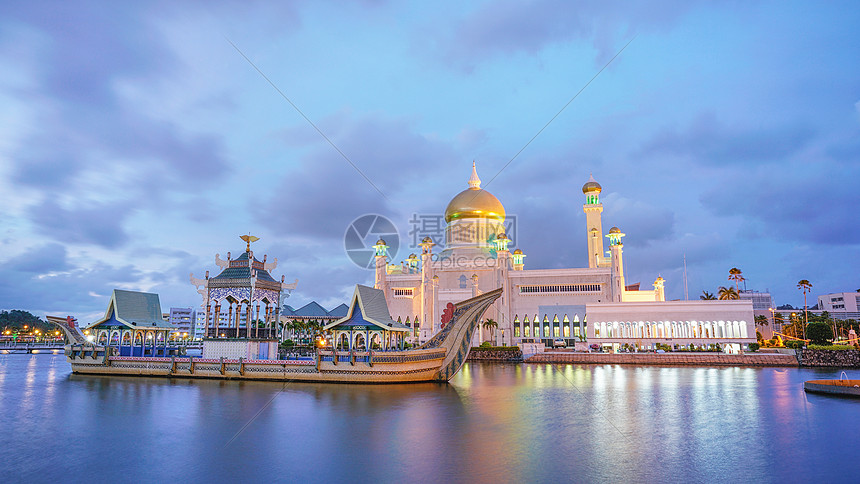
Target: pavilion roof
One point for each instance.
(136, 310)
(239, 270)
(339, 311)
(368, 307)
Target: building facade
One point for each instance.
(184, 320)
(537, 304)
(841, 305)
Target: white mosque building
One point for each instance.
(590, 303)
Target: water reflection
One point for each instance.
(493, 422)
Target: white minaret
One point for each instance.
(593, 223)
(381, 261)
(428, 291)
(617, 264)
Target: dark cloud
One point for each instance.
(643, 223)
(818, 208)
(86, 127)
(707, 140)
(325, 193)
(39, 260)
(97, 224)
(508, 27)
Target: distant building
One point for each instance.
(311, 311)
(841, 305)
(184, 320)
(762, 306)
(199, 325)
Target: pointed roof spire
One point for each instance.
(474, 181)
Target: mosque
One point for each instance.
(548, 306)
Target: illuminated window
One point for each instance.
(559, 288)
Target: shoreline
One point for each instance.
(668, 359)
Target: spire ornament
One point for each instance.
(248, 239)
(474, 181)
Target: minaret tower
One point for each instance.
(428, 290)
(594, 226)
(617, 264)
(381, 264)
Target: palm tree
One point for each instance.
(491, 325)
(707, 296)
(804, 286)
(728, 293)
(761, 321)
(735, 274)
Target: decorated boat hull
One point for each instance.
(437, 360)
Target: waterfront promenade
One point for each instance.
(666, 359)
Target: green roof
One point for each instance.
(243, 271)
(134, 309)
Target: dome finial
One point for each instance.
(474, 181)
(591, 185)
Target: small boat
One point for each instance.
(437, 360)
(841, 387)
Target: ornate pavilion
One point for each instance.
(252, 297)
(250, 293)
(134, 324)
(367, 324)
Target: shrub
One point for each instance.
(486, 344)
(754, 346)
(288, 344)
(819, 333)
(794, 344)
(831, 347)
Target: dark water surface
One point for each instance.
(492, 423)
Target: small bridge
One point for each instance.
(30, 347)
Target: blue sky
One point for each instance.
(136, 142)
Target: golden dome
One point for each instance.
(518, 252)
(474, 202)
(614, 230)
(591, 186)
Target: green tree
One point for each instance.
(819, 333)
(490, 325)
(804, 286)
(735, 274)
(17, 318)
(707, 296)
(728, 293)
(761, 321)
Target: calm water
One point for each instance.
(492, 423)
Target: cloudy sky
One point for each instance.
(136, 141)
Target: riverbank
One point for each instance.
(498, 353)
(830, 358)
(666, 359)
